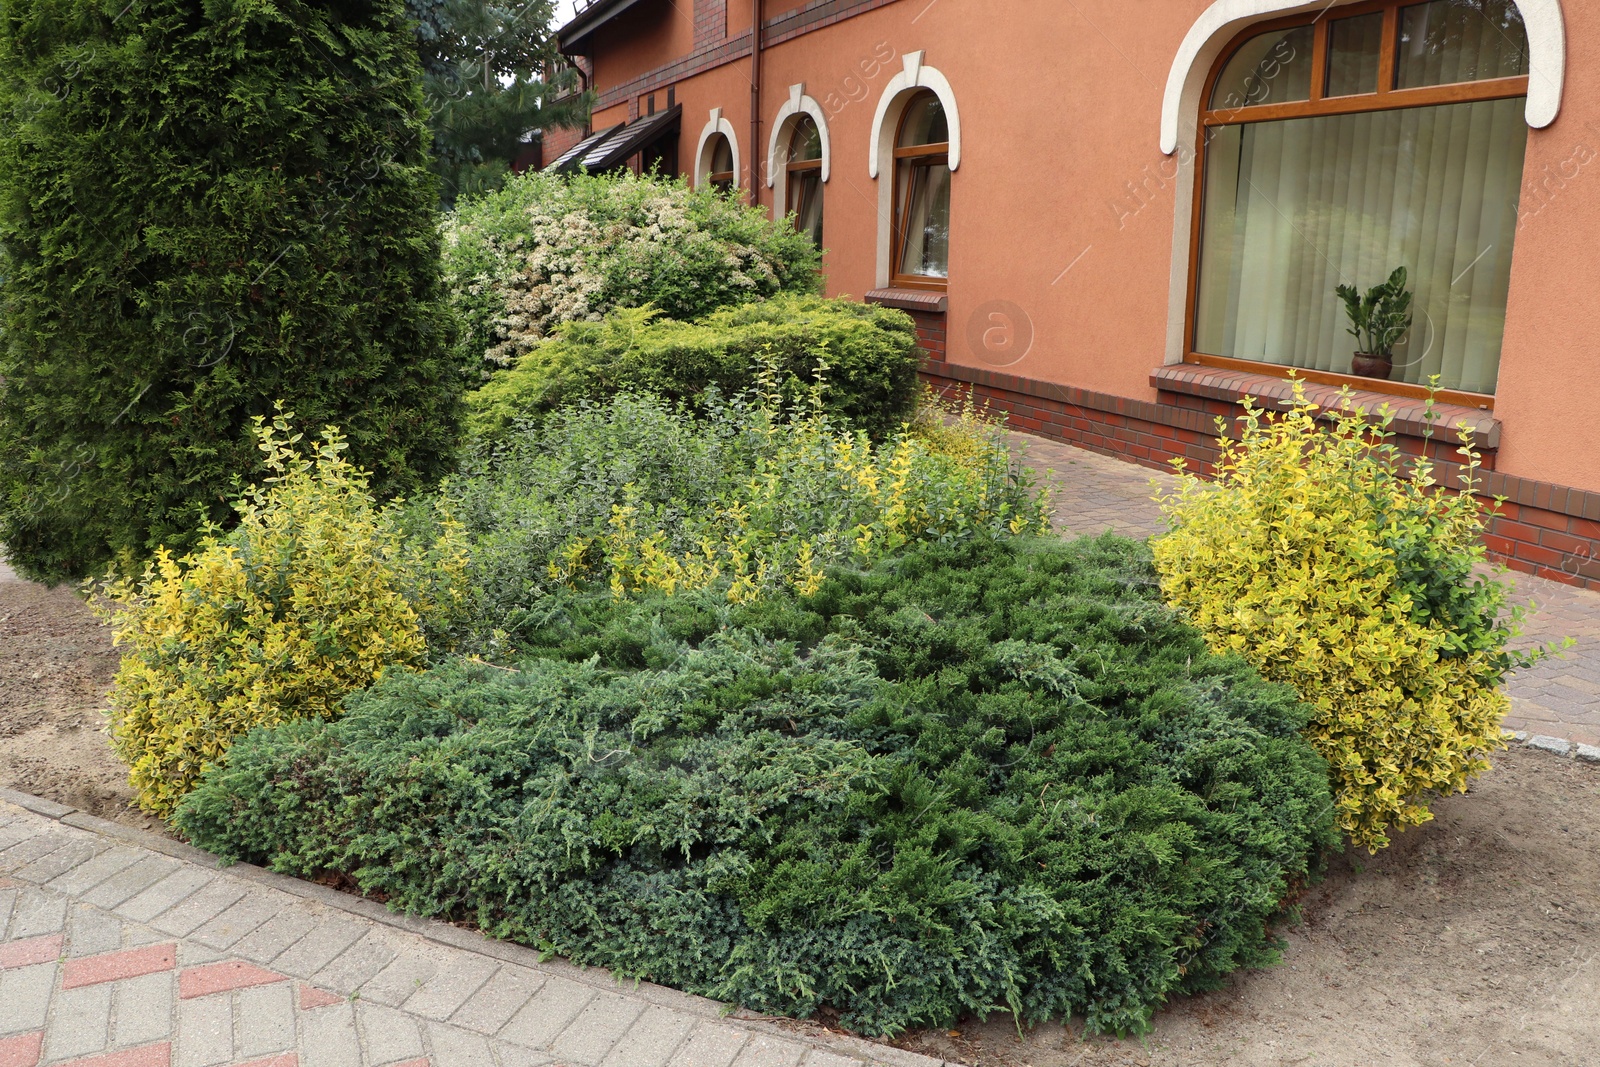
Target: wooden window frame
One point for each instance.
(793, 167)
(1387, 98)
(925, 155)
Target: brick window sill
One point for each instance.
(910, 300)
(1274, 392)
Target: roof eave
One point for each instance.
(584, 23)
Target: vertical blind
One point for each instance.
(1294, 208)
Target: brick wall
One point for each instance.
(557, 140)
(930, 332)
(710, 23)
(1549, 530)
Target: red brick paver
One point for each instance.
(22, 1050)
(115, 966)
(27, 953)
(312, 997)
(224, 977)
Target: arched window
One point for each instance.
(921, 252)
(803, 178)
(1337, 146)
(722, 174)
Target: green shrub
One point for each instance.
(865, 359)
(314, 594)
(203, 209)
(547, 250)
(983, 777)
(635, 494)
(1324, 561)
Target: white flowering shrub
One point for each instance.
(547, 250)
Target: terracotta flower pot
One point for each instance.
(1371, 366)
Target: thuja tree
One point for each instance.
(204, 209)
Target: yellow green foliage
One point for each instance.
(1329, 563)
(815, 495)
(316, 593)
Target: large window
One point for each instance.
(803, 178)
(921, 254)
(1377, 136)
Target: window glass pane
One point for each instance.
(1461, 41)
(805, 203)
(1295, 208)
(1270, 68)
(1354, 46)
(924, 123)
(722, 157)
(926, 190)
(807, 142)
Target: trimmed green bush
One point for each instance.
(317, 592)
(865, 357)
(984, 777)
(205, 209)
(1331, 563)
(547, 250)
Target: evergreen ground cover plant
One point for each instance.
(547, 250)
(995, 775)
(865, 358)
(205, 209)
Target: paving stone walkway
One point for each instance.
(121, 949)
(1559, 697)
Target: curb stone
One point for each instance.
(821, 1045)
(1557, 745)
(1589, 753)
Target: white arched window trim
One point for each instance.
(1211, 33)
(1225, 19)
(798, 105)
(914, 76)
(702, 153)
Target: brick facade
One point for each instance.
(1549, 530)
(710, 23)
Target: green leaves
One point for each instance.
(1333, 563)
(203, 212)
(997, 776)
(1380, 318)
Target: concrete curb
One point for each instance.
(466, 940)
(1556, 746)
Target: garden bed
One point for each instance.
(1466, 938)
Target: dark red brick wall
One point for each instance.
(1549, 530)
(930, 332)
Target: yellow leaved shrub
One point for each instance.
(315, 594)
(1333, 563)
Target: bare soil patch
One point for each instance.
(56, 665)
(1474, 940)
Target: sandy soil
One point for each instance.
(56, 664)
(1474, 940)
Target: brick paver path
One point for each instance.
(1558, 698)
(120, 949)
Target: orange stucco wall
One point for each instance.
(1063, 205)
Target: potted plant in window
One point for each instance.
(1377, 321)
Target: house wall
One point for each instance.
(1063, 207)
